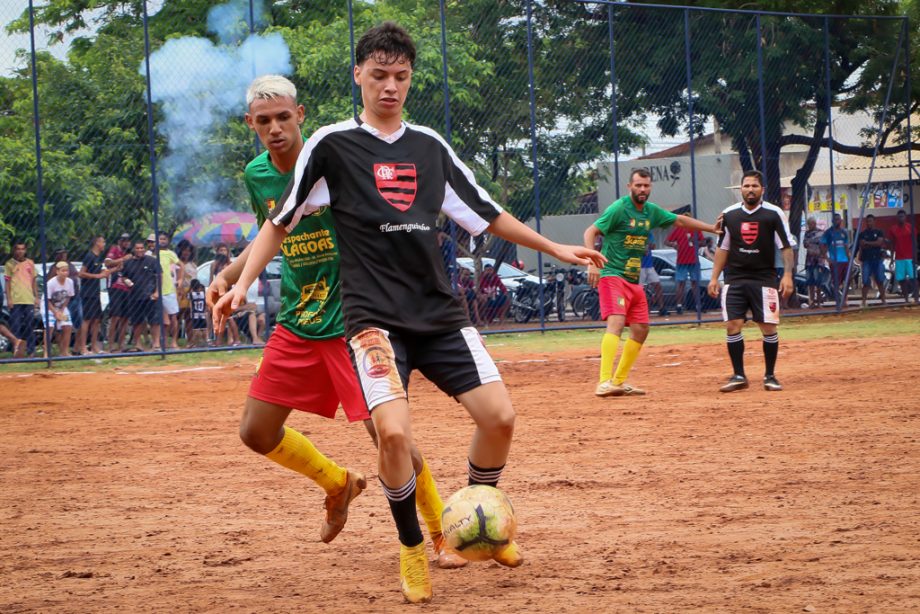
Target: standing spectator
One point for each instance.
(837, 241)
(708, 250)
(493, 296)
(815, 263)
(75, 306)
(172, 272)
(198, 330)
(4, 326)
(901, 236)
(119, 292)
(93, 270)
(60, 293)
(22, 296)
(141, 276)
(648, 277)
(685, 241)
(871, 246)
(186, 252)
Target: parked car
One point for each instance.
(666, 267)
(258, 291)
(511, 276)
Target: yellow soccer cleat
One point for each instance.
(413, 573)
(509, 556)
(337, 505)
(447, 558)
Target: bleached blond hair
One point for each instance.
(267, 87)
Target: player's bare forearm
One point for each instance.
(718, 264)
(261, 251)
(509, 228)
(685, 221)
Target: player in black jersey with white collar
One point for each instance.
(386, 182)
(752, 230)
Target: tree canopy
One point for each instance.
(95, 154)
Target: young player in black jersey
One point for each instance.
(751, 231)
(386, 182)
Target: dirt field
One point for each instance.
(131, 492)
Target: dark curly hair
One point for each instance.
(388, 43)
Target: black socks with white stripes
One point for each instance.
(489, 477)
(402, 506)
(770, 350)
(736, 352)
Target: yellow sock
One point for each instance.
(609, 345)
(298, 453)
(428, 501)
(630, 353)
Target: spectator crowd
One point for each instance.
(132, 297)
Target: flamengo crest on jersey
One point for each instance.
(751, 237)
(397, 183)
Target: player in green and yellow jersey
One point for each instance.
(306, 364)
(625, 227)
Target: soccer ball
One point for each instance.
(478, 521)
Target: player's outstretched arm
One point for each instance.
(685, 221)
(509, 228)
(224, 280)
(263, 249)
(592, 232)
(718, 264)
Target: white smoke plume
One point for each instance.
(198, 85)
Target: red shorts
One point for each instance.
(618, 297)
(309, 375)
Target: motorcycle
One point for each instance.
(525, 301)
(555, 286)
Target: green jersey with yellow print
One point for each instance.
(626, 229)
(311, 306)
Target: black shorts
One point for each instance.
(118, 303)
(456, 362)
(199, 323)
(145, 312)
(761, 299)
(92, 307)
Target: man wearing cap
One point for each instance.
(119, 292)
(61, 291)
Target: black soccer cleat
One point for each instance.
(735, 382)
(771, 383)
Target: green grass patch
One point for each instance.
(848, 326)
(855, 325)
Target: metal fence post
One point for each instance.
(613, 106)
(39, 190)
(533, 149)
(830, 147)
(763, 117)
(153, 182)
(351, 78)
(694, 241)
(910, 158)
(452, 228)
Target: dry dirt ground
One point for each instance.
(130, 491)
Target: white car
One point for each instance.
(273, 277)
(510, 275)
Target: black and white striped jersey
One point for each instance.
(386, 193)
(751, 236)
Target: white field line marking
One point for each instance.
(168, 371)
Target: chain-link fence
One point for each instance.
(139, 109)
